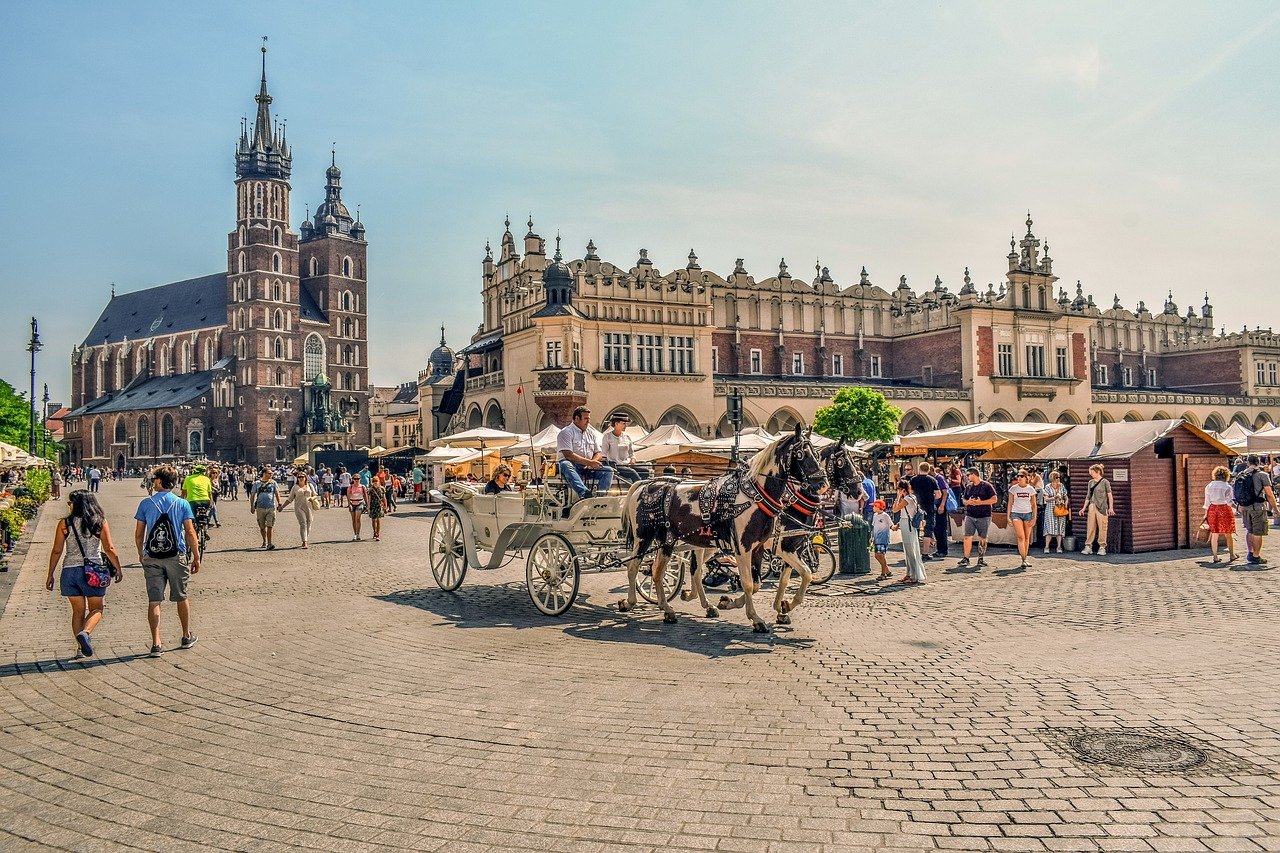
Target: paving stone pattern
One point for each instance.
(338, 701)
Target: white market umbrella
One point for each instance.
(540, 442)
(481, 437)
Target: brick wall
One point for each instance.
(1079, 357)
(1206, 372)
(940, 350)
(987, 351)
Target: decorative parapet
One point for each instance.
(827, 390)
(486, 380)
(1261, 338)
(1172, 398)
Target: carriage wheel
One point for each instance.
(552, 574)
(446, 551)
(822, 562)
(673, 575)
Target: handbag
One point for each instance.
(952, 504)
(314, 501)
(96, 575)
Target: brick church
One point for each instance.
(256, 364)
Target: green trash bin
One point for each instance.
(855, 547)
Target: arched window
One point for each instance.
(1026, 296)
(99, 438)
(193, 442)
(279, 348)
(346, 267)
(241, 235)
(279, 427)
(315, 267)
(208, 354)
(279, 376)
(240, 264)
(275, 262)
(164, 360)
(347, 326)
(186, 356)
(139, 362)
(346, 300)
(312, 358)
(121, 437)
(347, 381)
(276, 291)
(144, 436)
(275, 236)
(166, 436)
(242, 348)
(1042, 299)
(277, 319)
(348, 355)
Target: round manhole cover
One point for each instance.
(1137, 751)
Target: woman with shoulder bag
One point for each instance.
(910, 518)
(85, 577)
(1057, 509)
(1220, 512)
(305, 500)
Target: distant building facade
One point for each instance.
(667, 347)
(255, 364)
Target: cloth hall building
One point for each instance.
(254, 364)
(666, 347)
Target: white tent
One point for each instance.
(663, 441)
(748, 442)
(1234, 432)
(984, 436)
(1265, 441)
(451, 455)
(542, 442)
(481, 437)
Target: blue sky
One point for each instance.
(911, 138)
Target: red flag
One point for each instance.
(519, 389)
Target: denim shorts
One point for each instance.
(1021, 516)
(882, 544)
(73, 584)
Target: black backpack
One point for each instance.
(162, 539)
(1245, 488)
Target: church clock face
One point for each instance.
(155, 324)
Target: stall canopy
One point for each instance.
(986, 436)
(451, 455)
(541, 442)
(748, 442)
(480, 437)
(664, 441)
(1119, 441)
(1265, 441)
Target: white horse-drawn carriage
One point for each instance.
(767, 509)
(561, 540)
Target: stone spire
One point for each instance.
(265, 153)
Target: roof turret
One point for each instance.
(265, 153)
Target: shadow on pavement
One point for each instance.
(508, 606)
(67, 664)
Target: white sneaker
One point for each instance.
(1046, 549)
(1102, 552)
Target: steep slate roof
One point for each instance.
(159, 392)
(308, 308)
(180, 306)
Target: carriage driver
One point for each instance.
(580, 456)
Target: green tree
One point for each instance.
(15, 421)
(858, 413)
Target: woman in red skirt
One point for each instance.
(1219, 512)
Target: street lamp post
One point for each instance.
(44, 417)
(33, 346)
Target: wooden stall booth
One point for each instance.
(1157, 469)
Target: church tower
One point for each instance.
(332, 255)
(263, 300)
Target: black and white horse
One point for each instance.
(796, 525)
(663, 512)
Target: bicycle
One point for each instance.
(202, 513)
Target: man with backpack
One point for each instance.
(165, 532)
(1253, 494)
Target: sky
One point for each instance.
(911, 138)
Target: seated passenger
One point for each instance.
(580, 456)
(617, 449)
(501, 481)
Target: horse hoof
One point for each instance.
(784, 608)
(724, 601)
(623, 607)
(759, 628)
(784, 619)
(712, 613)
(668, 619)
(687, 595)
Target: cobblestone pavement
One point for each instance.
(338, 701)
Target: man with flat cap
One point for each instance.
(618, 452)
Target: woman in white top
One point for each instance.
(1219, 512)
(90, 537)
(1022, 512)
(300, 496)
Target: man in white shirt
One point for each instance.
(580, 456)
(618, 452)
(95, 477)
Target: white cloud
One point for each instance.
(1079, 67)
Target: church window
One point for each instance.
(186, 357)
(279, 376)
(288, 404)
(1026, 296)
(208, 355)
(1041, 297)
(99, 438)
(144, 436)
(275, 262)
(240, 264)
(313, 358)
(275, 236)
(241, 235)
(315, 267)
(166, 436)
(346, 381)
(120, 431)
(346, 300)
(139, 363)
(279, 428)
(164, 360)
(277, 320)
(193, 442)
(242, 348)
(276, 291)
(278, 349)
(348, 354)
(346, 267)
(346, 327)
